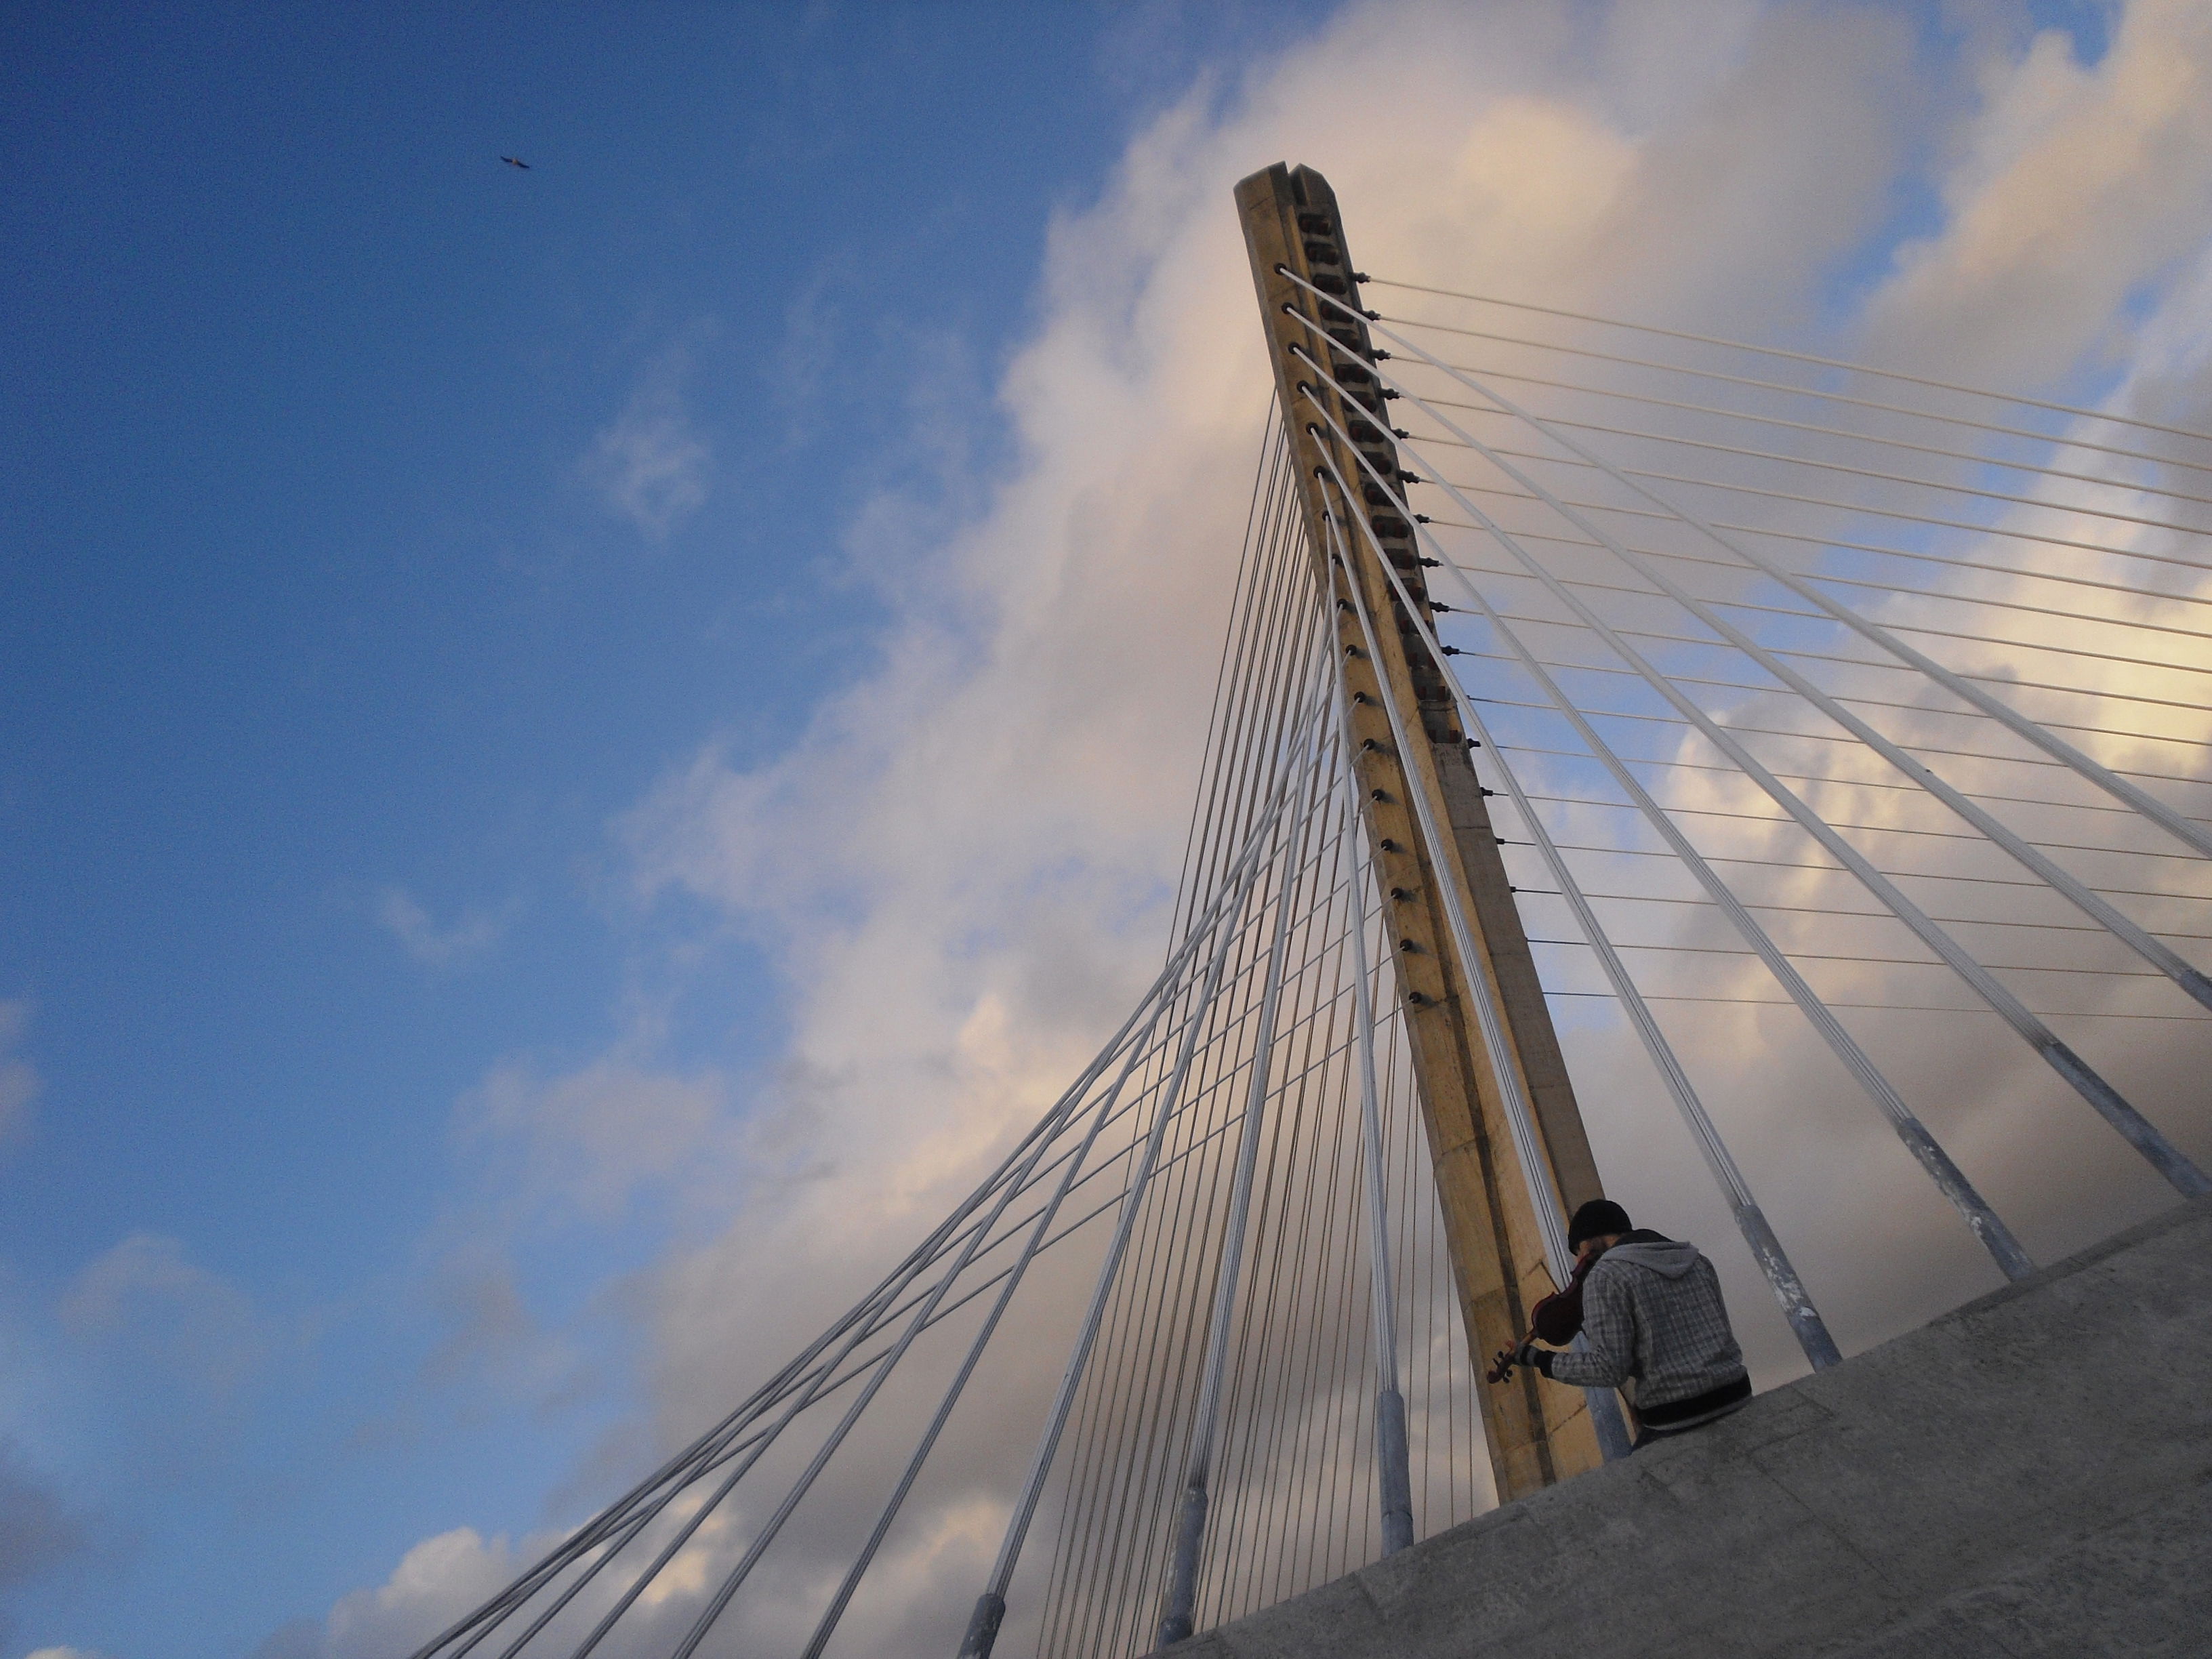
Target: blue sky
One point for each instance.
(379, 526)
(327, 607)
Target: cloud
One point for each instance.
(472, 933)
(2072, 185)
(19, 1079)
(434, 1583)
(38, 1531)
(962, 866)
(490, 1333)
(961, 869)
(814, 324)
(650, 466)
(302, 1638)
(144, 1300)
(615, 1140)
(586, 1142)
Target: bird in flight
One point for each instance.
(512, 162)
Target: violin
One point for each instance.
(1556, 1321)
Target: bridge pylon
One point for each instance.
(1495, 1234)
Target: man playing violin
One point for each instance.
(1653, 1325)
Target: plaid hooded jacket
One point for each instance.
(1653, 1321)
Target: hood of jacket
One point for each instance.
(1670, 1258)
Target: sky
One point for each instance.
(581, 743)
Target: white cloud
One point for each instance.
(650, 465)
(2073, 186)
(63, 1653)
(19, 1079)
(960, 865)
(471, 933)
(434, 1583)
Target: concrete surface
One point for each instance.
(2030, 1476)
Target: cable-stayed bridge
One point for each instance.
(1764, 751)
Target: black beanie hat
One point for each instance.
(1594, 1219)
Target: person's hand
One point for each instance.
(1528, 1354)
